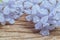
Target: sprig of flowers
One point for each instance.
(10, 10)
(45, 14)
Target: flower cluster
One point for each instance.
(45, 14)
(10, 10)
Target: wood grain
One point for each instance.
(23, 30)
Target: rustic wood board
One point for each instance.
(23, 30)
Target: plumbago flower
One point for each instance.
(10, 10)
(44, 13)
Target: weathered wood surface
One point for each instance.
(23, 30)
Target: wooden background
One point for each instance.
(23, 30)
